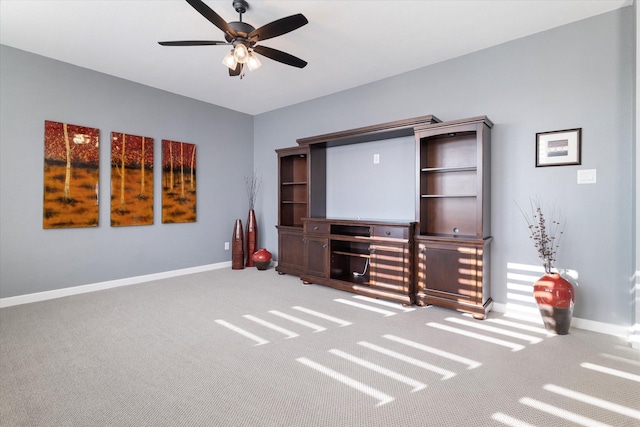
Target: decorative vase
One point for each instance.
(252, 236)
(262, 259)
(555, 297)
(237, 247)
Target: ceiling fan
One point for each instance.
(244, 38)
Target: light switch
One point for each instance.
(376, 159)
(587, 176)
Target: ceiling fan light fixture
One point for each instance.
(253, 63)
(230, 60)
(241, 53)
(243, 38)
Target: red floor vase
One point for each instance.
(237, 247)
(252, 237)
(555, 297)
(262, 259)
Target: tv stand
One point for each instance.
(371, 258)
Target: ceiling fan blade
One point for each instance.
(280, 56)
(278, 28)
(236, 71)
(213, 17)
(193, 43)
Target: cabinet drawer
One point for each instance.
(317, 227)
(391, 232)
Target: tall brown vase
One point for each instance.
(252, 237)
(237, 247)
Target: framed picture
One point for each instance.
(558, 148)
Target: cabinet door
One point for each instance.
(290, 251)
(390, 267)
(450, 272)
(316, 250)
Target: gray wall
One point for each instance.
(35, 89)
(575, 76)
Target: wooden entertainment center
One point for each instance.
(441, 258)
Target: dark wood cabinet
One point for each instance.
(454, 274)
(453, 210)
(290, 250)
(316, 249)
(392, 267)
(441, 258)
(365, 257)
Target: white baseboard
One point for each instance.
(576, 322)
(75, 290)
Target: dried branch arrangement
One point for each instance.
(545, 234)
(253, 184)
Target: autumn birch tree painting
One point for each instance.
(131, 180)
(71, 175)
(178, 182)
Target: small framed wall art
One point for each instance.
(559, 148)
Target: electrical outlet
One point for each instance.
(226, 246)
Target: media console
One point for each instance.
(370, 258)
(441, 258)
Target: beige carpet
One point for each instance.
(252, 348)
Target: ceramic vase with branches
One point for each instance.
(553, 293)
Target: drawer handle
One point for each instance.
(324, 246)
(316, 228)
(388, 233)
(456, 230)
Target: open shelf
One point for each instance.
(436, 196)
(354, 254)
(454, 150)
(351, 265)
(351, 230)
(449, 169)
(293, 169)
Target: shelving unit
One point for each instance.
(293, 189)
(453, 185)
(293, 205)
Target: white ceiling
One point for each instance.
(346, 43)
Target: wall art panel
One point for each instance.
(131, 180)
(71, 175)
(178, 182)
